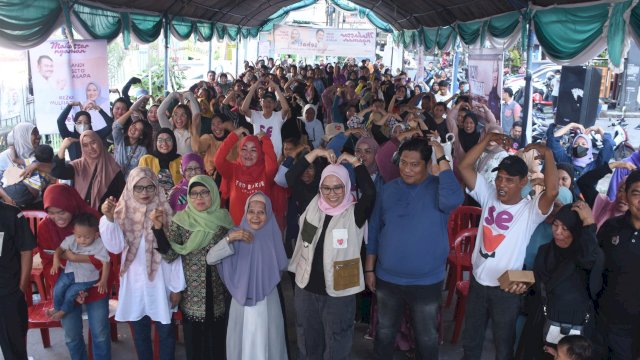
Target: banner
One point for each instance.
(62, 74)
(485, 79)
(305, 41)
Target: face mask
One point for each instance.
(580, 151)
(80, 128)
(465, 88)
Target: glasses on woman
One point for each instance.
(326, 190)
(193, 170)
(141, 188)
(164, 141)
(199, 195)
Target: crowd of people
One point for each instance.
(341, 174)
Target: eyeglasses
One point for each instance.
(326, 190)
(164, 141)
(141, 188)
(196, 170)
(200, 195)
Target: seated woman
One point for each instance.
(192, 165)
(21, 141)
(603, 208)
(131, 141)
(193, 232)
(149, 286)
(250, 261)
(564, 289)
(164, 161)
(82, 122)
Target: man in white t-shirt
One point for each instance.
(506, 226)
(267, 120)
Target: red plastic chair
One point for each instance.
(38, 318)
(464, 217)
(37, 276)
(462, 250)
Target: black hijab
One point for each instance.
(165, 159)
(467, 141)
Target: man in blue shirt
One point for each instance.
(408, 246)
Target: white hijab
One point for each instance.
(20, 138)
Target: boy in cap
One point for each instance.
(267, 120)
(507, 223)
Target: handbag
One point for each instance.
(554, 331)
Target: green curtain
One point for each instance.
(634, 20)
(220, 30)
(444, 36)
(373, 18)
(147, 28)
(616, 32)
(204, 31)
(469, 32)
(182, 28)
(232, 32)
(27, 23)
(502, 26)
(99, 23)
(564, 33)
(429, 36)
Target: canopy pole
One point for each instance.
(210, 48)
(166, 57)
(456, 64)
(237, 53)
(527, 124)
(391, 65)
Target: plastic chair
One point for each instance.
(464, 217)
(462, 291)
(37, 276)
(34, 217)
(38, 318)
(459, 258)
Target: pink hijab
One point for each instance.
(341, 173)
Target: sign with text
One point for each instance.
(306, 41)
(62, 73)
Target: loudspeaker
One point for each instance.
(578, 96)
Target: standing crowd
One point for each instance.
(346, 177)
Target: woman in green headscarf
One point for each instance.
(205, 301)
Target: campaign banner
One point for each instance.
(63, 73)
(485, 78)
(305, 41)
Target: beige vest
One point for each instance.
(342, 265)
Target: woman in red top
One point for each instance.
(253, 171)
(62, 204)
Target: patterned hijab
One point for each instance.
(133, 219)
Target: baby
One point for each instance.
(79, 276)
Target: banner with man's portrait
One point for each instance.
(62, 73)
(306, 41)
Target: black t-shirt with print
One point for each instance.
(15, 236)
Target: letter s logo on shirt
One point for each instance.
(267, 130)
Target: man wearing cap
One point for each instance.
(312, 125)
(506, 226)
(267, 120)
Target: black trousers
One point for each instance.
(13, 326)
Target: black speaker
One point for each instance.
(578, 96)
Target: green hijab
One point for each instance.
(202, 224)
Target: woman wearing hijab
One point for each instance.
(250, 260)
(254, 170)
(81, 122)
(62, 204)
(192, 165)
(567, 280)
(468, 135)
(165, 160)
(326, 260)
(492, 155)
(603, 208)
(96, 175)
(194, 231)
(581, 149)
(22, 141)
(149, 286)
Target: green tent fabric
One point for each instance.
(146, 28)
(182, 28)
(204, 31)
(565, 33)
(27, 23)
(616, 32)
(373, 18)
(634, 20)
(99, 23)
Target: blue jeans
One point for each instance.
(98, 312)
(66, 290)
(424, 303)
(143, 343)
(324, 325)
(502, 308)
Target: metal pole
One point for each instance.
(166, 56)
(526, 113)
(237, 54)
(210, 46)
(456, 60)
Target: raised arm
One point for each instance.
(468, 162)
(245, 108)
(62, 125)
(162, 110)
(283, 101)
(224, 166)
(550, 177)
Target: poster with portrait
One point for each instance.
(485, 78)
(306, 41)
(62, 73)
(14, 88)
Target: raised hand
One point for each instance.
(108, 208)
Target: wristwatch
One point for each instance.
(441, 158)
